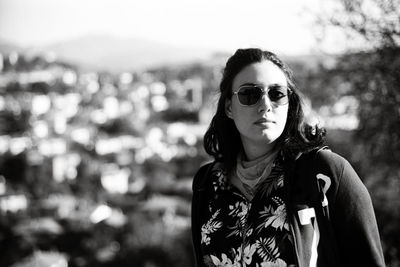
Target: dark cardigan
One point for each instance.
(345, 225)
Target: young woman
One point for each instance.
(273, 195)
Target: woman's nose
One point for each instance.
(265, 103)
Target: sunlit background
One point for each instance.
(104, 104)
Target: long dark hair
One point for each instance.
(222, 139)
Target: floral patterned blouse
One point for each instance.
(239, 232)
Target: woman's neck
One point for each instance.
(255, 151)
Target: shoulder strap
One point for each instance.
(307, 186)
(312, 180)
(323, 183)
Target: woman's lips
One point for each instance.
(263, 121)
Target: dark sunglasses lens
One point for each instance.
(278, 95)
(249, 95)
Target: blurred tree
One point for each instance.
(13, 167)
(14, 122)
(40, 87)
(375, 79)
(372, 74)
(375, 22)
(180, 113)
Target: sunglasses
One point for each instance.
(250, 95)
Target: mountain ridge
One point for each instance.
(115, 54)
(110, 53)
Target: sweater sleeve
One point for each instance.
(198, 204)
(354, 221)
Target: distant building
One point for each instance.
(194, 90)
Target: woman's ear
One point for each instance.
(228, 108)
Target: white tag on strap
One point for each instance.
(305, 215)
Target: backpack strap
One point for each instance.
(316, 172)
(323, 184)
(313, 182)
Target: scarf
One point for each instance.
(251, 173)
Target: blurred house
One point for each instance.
(13, 203)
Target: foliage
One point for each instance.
(374, 79)
(373, 22)
(372, 75)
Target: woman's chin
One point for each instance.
(266, 138)
(269, 136)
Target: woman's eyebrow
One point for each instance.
(261, 85)
(275, 84)
(253, 84)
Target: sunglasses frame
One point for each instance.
(264, 92)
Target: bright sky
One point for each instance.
(283, 26)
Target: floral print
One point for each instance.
(267, 249)
(277, 263)
(211, 226)
(248, 253)
(239, 210)
(276, 218)
(241, 233)
(224, 261)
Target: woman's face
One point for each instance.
(263, 122)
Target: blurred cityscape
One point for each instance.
(96, 167)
